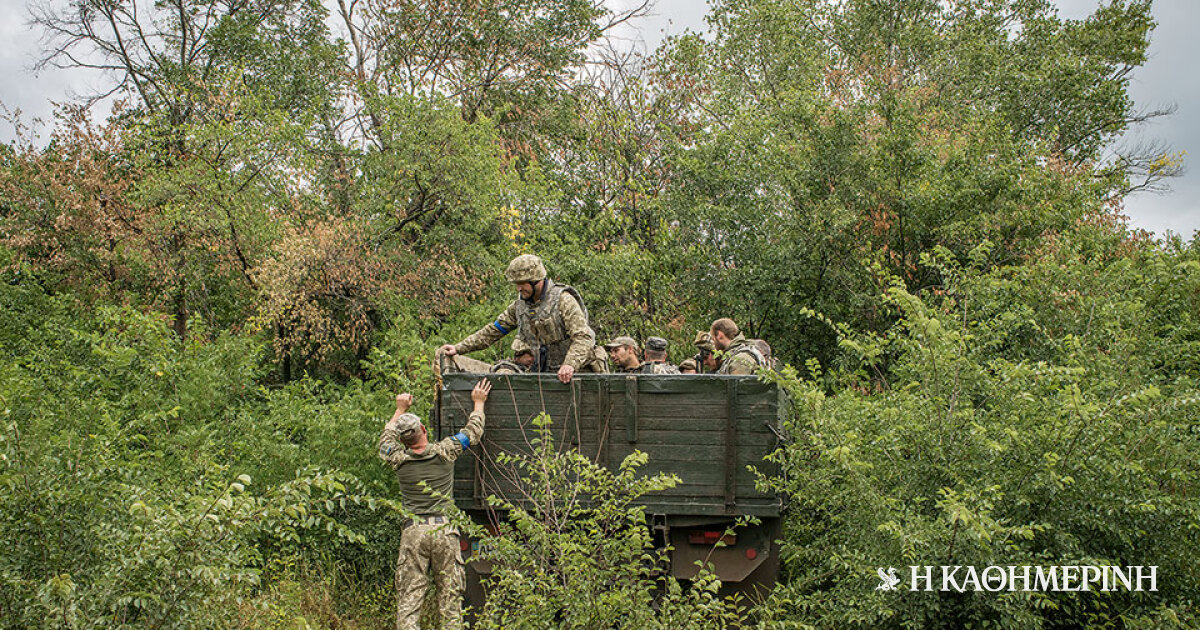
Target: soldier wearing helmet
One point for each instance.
(549, 318)
(706, 357)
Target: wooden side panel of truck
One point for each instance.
(711, 431)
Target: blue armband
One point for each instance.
(503, 330)
(462, 437)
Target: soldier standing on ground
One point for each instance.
(429, 541)
(740, 356)
(550, 318)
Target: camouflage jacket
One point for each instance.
(427, 478)
(554, 326)
(741, 357)
(651, 367)
(658, 367)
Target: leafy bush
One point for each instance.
(127, 497)
(1029, 417)
(577, 552)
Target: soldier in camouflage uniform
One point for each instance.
(624, 354)
(740, 355)
(429, 541)
(706, 356)
(768, 356)
(656, 357)
(520, 363)
(550, 318)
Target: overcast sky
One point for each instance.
(1164, 81)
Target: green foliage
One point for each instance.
(126, 459)
(437, 176)
(1005, 433)
(837, 139)
(576, 550)
(232, 278)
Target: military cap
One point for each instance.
(407, 423)
(689, 364)
(704, 341)
(622, 341)
(519, 347)
(525, 268)
(656, 344)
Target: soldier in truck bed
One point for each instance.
(764, 349)
(624, 354)
(739, 356)
(656, 357)
(550, 318)
(520, 363)
(706, 358)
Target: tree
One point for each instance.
(165, 54)
(840, 141)
(1032, 414)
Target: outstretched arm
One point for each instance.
(473, 432)
(485, 336)
(403, 402)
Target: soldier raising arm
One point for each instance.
(426, 475)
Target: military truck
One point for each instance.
(712, 431)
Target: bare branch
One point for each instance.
(1148, 167)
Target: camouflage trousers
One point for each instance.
(422, 548)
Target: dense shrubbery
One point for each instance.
(1032, 415)
(210, 300)
(150, 482)
(578, 553)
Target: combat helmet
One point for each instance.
(704, 341)
(525, 268)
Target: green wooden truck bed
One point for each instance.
(712, 431)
